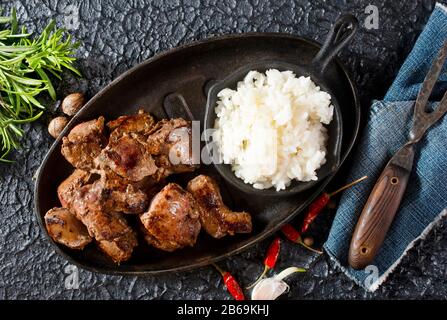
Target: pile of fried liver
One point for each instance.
(120, 169)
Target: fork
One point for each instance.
(386, 196)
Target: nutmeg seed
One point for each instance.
(56, 126)
(72, 103)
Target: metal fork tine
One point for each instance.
(441, 109)
(429, 82)
(424, 120)
(430, 118)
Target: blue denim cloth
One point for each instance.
(388, 125)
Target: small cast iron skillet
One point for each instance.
(340, 34)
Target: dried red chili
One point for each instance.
(272, 253)
(231, 283)
(270, 259)
(294, 235)
(321, 202)
(312, 212)
(291, 233)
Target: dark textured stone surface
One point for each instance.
(117, 35)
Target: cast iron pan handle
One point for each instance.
(340, 34)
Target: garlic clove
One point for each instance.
(269, 289)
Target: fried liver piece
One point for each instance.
(114, 236)
(118, 194)
(64, 228)
(84, 143)
(215, 217)
(141, 123)
(126, 152)
(70, 186)
(95, 205)
(127, 156)
(170, 143)
(113, 192)
(172, 221)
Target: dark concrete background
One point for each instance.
(116, 36)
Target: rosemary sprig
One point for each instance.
(26, 64)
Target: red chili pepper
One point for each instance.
(232, 285)
(291, 233)
(270, 259)
(294, 235)
(312, 212)
(314, 209)
(272, 253)
(321, 202)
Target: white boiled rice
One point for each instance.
(270, 129)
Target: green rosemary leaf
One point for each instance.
(14, 24)
(5, 20)
(44, 77)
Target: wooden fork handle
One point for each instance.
(377, 215)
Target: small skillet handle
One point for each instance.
(377, 215)
(340, 34)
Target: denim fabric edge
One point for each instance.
(441, 6)
(422, 236)
(376, 284)
(345, 271)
